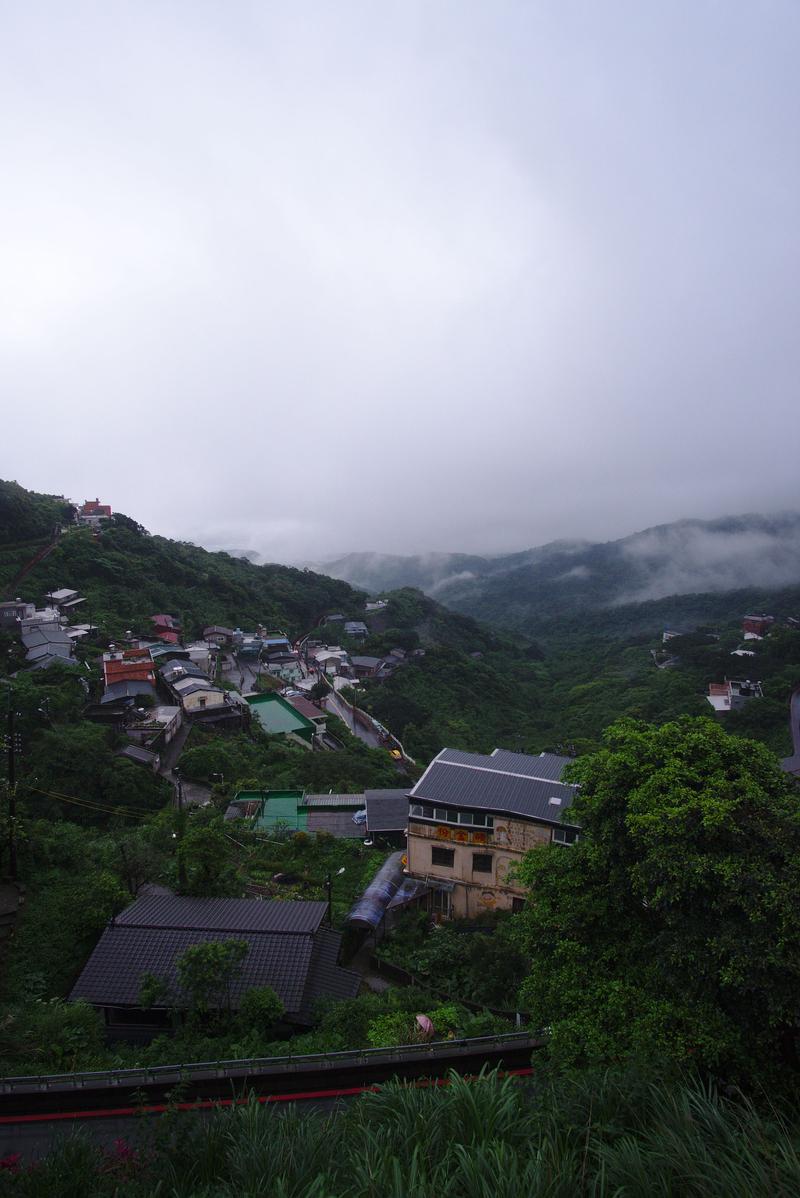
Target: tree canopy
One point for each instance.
(672, 927)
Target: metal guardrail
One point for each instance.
(291, 1063)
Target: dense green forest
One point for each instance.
(26, 516)
(127, 575)
(511, 693)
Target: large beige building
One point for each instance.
(471, 819)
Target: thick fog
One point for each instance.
(442, 275)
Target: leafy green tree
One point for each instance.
(261, 1009)
(672, 927)
(204, 853)
(153, 991)
(207, 972)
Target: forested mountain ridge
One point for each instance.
(749, 552)
(476, 686)
(127, 575)
(26, 515)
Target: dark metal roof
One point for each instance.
(335, 823)
(223, 914)
(113, 974)
(44, 634)
(287, 949)
(486, 787)
(546, 765)
(327, 979)
(127, 690)
(387, 810)
(138, 754)
(180, 669)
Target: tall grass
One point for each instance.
(604, 1135)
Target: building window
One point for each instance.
(444, 815)
(440, 903)
(481, 863)
(565, 835)
(517, 905)
(442, 856)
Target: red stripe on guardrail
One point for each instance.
(209, 1104)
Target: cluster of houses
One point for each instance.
(456, 837)
(270, 649)
(334, 661)
(151, 687)
(47, 633)
(731, 694)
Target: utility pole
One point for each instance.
(181, 825)
(329, 889)
(12, 745)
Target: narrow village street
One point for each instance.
(335, 706)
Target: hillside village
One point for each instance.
(248, 782)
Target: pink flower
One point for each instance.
(11, 1162)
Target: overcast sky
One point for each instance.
(305, 278)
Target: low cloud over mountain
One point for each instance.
(688, 557)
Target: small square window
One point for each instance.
(517, 905)
(441, 814)
(565, 835)
(481, 863)
(440, 856)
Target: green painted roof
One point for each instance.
(277, 807)
(276, 716)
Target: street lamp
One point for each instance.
(329, 888)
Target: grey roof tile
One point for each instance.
(113, 975)
(287, 949)
(224, 914)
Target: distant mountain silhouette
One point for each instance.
(682, 558)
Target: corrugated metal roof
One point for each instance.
(222, 914)
(113, 974)
(326, 979)
(387, 810)
(356, 802)
(457, 784)
(546, 765)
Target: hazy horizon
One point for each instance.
(406, 278)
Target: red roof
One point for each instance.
(304, 707)
(128, 671)
(164, 620)
(93, 507)
(168, 637)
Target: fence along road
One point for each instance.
(39, 1108)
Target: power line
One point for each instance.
(91, 804)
